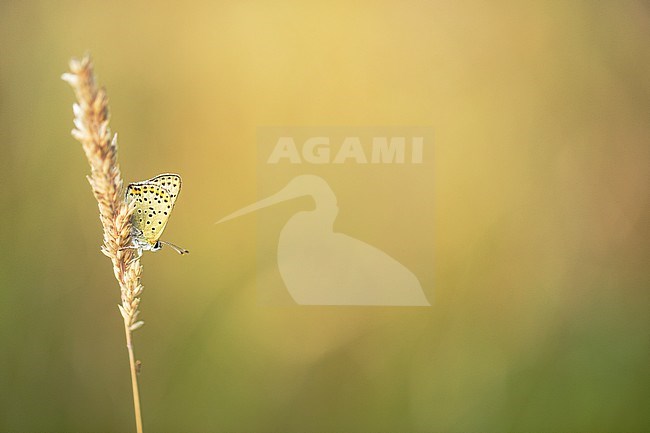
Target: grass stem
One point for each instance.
(91, 117)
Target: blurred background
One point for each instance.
(540, 316)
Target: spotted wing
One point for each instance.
(171, 182)
(153, 205)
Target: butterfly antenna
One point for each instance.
(176, 248)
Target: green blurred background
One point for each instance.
(540, 322)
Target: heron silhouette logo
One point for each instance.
(321, 267)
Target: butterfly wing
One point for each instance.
(153, 205)
(171, 182)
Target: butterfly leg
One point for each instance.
(137, 256)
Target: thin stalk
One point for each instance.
(134, 380)
(91, 118)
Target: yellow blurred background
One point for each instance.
(540, 317)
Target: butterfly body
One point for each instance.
(154, 201)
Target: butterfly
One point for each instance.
(154, 201)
